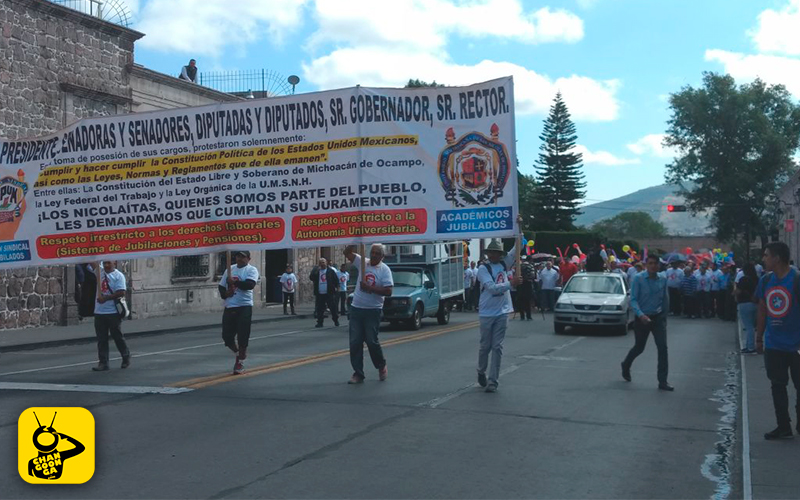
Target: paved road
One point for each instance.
(563, 424)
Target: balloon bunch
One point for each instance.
(528, 245)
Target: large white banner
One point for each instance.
(337, 167)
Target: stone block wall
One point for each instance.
(57, 66)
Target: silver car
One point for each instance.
(594, 299)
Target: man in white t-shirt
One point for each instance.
(236, 288)
(111, 284)
(468, 280)
(288, 287)
(549, 279)
(344, 277)
(374, 284)
(495, 306)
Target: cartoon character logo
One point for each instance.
(49, 462)
(779, 301)
(370, 279)
(12, 204)
(474, 169)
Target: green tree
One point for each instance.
(417, 83)
(736, 144)
(630, 225)
(559, 176)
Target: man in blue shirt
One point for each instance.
(650, 302)
(778, 329)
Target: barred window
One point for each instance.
(191, 266)
(220, 269)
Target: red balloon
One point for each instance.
(583, 256)
(574, 245)
(688, 251)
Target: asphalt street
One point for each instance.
(562, 425)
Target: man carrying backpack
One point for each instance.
(778, 333)
(495, 306)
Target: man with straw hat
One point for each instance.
(495, 306)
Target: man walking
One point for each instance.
(650, 302)
(374, 284)
(549, 278)
(107, 318)
(236, 289)
(689, 294)
(288, 282)
(525, 290)
(326, 286)
(495, 306)
(779, 331)
(344, 277)
(674, 277)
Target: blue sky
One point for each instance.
(615, 61)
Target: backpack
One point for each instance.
(489, 268)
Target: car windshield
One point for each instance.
(407, 278)
(594, 284)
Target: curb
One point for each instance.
(181, 329)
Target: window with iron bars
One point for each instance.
(190, 266)
(220, 269)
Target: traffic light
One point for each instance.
(676, 208)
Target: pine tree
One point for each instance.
(560, 186)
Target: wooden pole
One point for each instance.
(228, 268)
(517, 261)
(363, 262)
(97, 271)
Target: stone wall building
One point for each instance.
(57, 66)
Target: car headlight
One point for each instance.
(561, 305)
(612, 308)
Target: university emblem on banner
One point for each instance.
(12, 204)
(474, 169)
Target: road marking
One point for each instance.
(142, 355)
(549, 358)
(109, 389)
(202, 382)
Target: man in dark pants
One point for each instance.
(525, 290)
(374, 284)
(778, 329)
(650, 302)
(106, 318)
(326, 288)
(236, 288)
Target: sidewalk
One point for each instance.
(773, 464)
(52, 336)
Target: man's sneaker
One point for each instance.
(101, 367)
(126, 362)
(355, 379)
(243, 353)
(491, 388)
(482, 379)
(779, 433)
(626, 372)
(383, 373)
(318, 325)
(238, 367)
(748, 351)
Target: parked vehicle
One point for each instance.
(594, 299)
(428, 281)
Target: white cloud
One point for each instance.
(652, 144)
(603, 157)
(426, 25)
(771, 69)
(777, 31)
(207, 28)
(587, 99)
